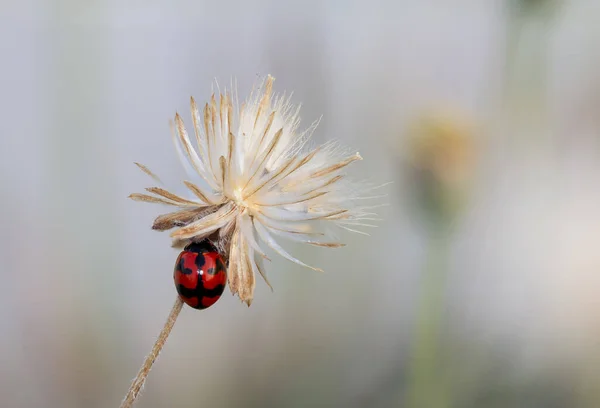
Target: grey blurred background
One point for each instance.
(479, 289)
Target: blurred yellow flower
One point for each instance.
(442, 152)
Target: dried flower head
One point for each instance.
(255, 179)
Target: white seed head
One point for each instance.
(253, 179)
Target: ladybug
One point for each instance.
(200, 275)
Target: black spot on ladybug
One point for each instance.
(200, 261)
(182, 268)
(199, 291)
(219, 268)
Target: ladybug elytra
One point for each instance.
(200, 275)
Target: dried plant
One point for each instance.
(254, 178)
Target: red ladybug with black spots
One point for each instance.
(200, 275)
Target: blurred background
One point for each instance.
(479, 288)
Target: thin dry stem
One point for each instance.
(138, 383)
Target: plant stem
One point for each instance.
(138, 383)
(425, 388)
